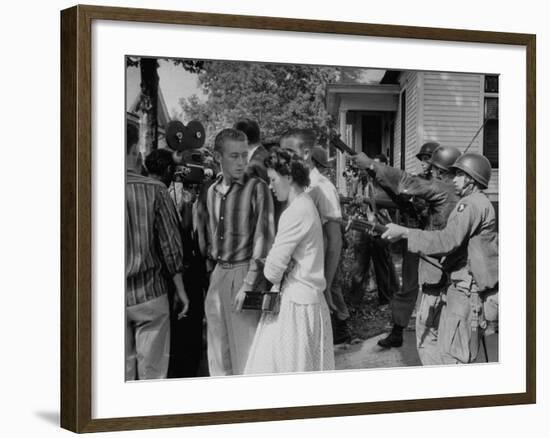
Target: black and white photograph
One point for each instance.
(290, 218)
(328, 220)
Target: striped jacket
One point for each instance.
(153, 241)
(240, 222)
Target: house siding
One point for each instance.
(453, 109)
(452, 113)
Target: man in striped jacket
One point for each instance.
(241, 232)
(153, 247)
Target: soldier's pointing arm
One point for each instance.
(399, 182)
(387, 177)
(462, 222)
(427, 190)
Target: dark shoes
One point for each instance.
(393, 340)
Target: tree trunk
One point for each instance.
(149, 96)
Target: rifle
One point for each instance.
(345, 200)
(403, 203)
(377, 229)
(340, 145)
(365, 226)
(380, 202)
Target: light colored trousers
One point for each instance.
(229, 334)
(427, 324)
(148, 339)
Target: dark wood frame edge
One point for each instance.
(76, 222)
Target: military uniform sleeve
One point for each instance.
(462, 223)
(387, 177)
(412, 185)
(400, 182)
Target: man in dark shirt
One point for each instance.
(153, 247)
(257, 153)
(367, 247)
(186, 334)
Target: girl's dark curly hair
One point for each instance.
(286, 162)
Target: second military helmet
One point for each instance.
(444, 157)
(476, 166)
(427, 149)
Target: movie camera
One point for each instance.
(194, 165)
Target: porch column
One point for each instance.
(340, 157)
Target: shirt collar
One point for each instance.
(241, 181)
(314, 176)
(251, 151)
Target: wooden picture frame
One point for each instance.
(76, 217)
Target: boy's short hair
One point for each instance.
(227, 134)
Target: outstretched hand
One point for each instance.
(395, 232)
(362, 160)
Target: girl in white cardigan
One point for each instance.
(299, 337)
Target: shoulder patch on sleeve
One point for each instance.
(461, 207)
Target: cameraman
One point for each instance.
(186, 333)
(160, 166)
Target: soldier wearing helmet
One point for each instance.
(424, 155)
(438, 195)
(442, 160)
(470, 245)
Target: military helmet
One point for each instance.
(427, 149)
(444, 157)
(476, 166)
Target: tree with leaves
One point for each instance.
(277, 96)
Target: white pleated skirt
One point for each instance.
(297, 339)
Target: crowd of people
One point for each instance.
(271, 221)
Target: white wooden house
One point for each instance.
(409, 108)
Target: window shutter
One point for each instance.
(491, 108)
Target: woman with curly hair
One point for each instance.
(299, 336)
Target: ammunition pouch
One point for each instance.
(489, 301)
(439, 287)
